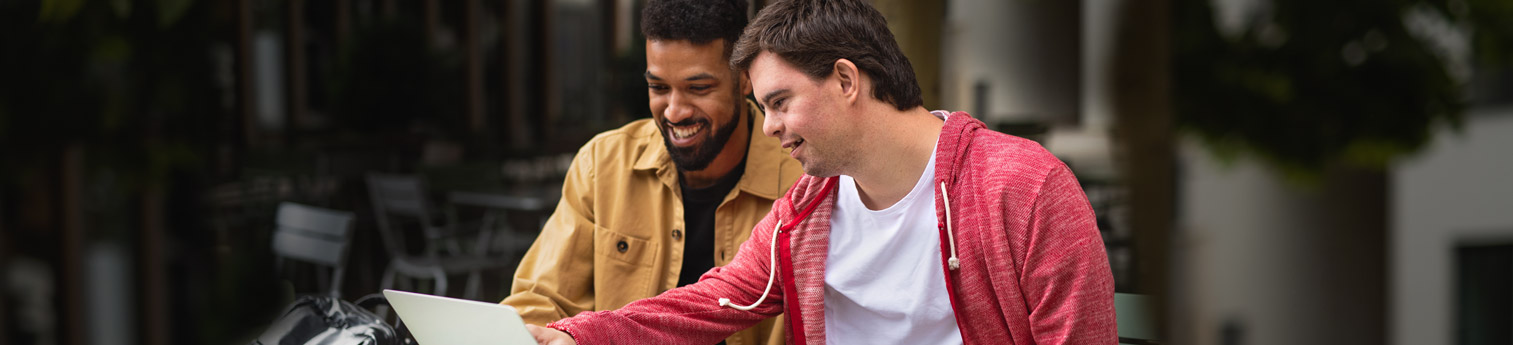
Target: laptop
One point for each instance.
(436, 320)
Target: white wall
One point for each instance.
(1281, 260)
(1278, 260)
(1460, 189)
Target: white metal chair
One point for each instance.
(402, 199)
(314, 235)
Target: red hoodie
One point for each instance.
(1032, 264)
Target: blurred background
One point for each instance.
(1265, 171)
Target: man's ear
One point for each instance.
(744, 77)
(850, 79)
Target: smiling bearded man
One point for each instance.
(698, 154)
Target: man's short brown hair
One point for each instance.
(813, 34)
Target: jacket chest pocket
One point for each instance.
(624, 268)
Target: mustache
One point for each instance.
(687, 122)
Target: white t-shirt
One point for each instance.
(883, 278)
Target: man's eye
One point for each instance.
(778, 103)
(656, 87)
(700, 88)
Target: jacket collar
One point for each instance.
(955, 138)
(764, 160)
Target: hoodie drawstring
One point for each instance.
(950, 236)
(773, 254)
(771, 275)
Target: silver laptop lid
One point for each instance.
(436, 320)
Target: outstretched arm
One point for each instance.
(691, 314)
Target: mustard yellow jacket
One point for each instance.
(617, 234)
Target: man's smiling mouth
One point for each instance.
(686, 130)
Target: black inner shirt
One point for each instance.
(699, 205)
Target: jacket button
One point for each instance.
(677, 234)
(622, 246)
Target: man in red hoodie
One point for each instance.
(909, 226)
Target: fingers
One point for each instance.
(548, 336)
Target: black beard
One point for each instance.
(698, 157)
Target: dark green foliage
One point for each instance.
(1331, 82)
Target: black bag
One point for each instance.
(326, 320)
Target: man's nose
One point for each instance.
(678, 108)
(771, 126)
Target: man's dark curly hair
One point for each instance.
(697, 21)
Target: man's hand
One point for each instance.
(548, 336)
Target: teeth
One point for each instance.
(685, 132)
